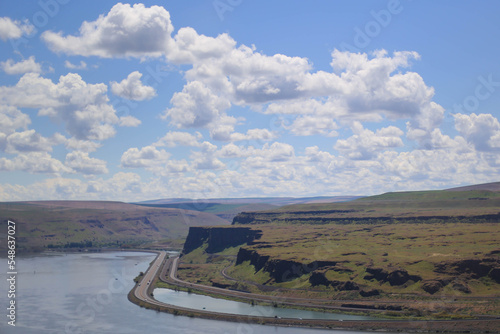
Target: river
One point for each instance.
(87, 293)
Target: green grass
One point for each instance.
(111, 224)
(462, 206)
(416, 248)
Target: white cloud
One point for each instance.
(249, 77)
(231, 151)
(24, 66)
(313, 125)
(28, 141)
(34, 162)
(195, 106)
(126, 31)
(157, 161)
(366, 144)
(129, 121)
(81, 66)
(145, 157)
(177, 138)
(275, 152)
(314, 154)
(13, 29)
(206, 159)
(11, 119)
(132, 88)
(80, 145)
(222, 127)
(482, 130)
(82, 107)
(121, 186)
(253, 134)
(362, 87)
(190, 47)
(82, 163)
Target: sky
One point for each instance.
(105, 100)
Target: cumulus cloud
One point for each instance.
(145, 157)
(71, 66)
(34, 162)
(11, 119)
(14, 29)
(177, 138)
(129, 121)
(250, 77)
(82, 107)
(80, 145)
(132, 88)
(206, 158)
(361, 87)
(313, 125)
(28, 141)
(269, 155)
(121, 186)
(195, 106)
(24, 66)
(365, 144)
(189, 47)
(125, 31)
(157, 161)
(80, 162)
(482, 131)
(253, 135)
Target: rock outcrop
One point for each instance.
(219, 238)
(395, 277)
(347, 217)
(280, 270)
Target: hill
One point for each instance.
(54, 224)
(417, 249)
(228, 208)
(493, 186)
(436, 206)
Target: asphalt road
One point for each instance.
(141, 291)
(170, 269)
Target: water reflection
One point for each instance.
(87, 293)
(200, 302)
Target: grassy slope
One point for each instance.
(40, 224)
(418, 248)
(398, 205)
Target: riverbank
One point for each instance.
(451, 326)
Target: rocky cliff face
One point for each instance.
(348, 217)
(219, 238)
(458, 273)
(280, 270)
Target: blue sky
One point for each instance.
(237, 98)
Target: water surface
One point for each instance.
(200, 302)
(87, 293)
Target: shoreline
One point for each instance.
(414, 326)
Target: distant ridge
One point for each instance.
(493, 186)
(277, 201)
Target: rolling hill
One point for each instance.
(423, 247)
(55, 224)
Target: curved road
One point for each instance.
(143, 289)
